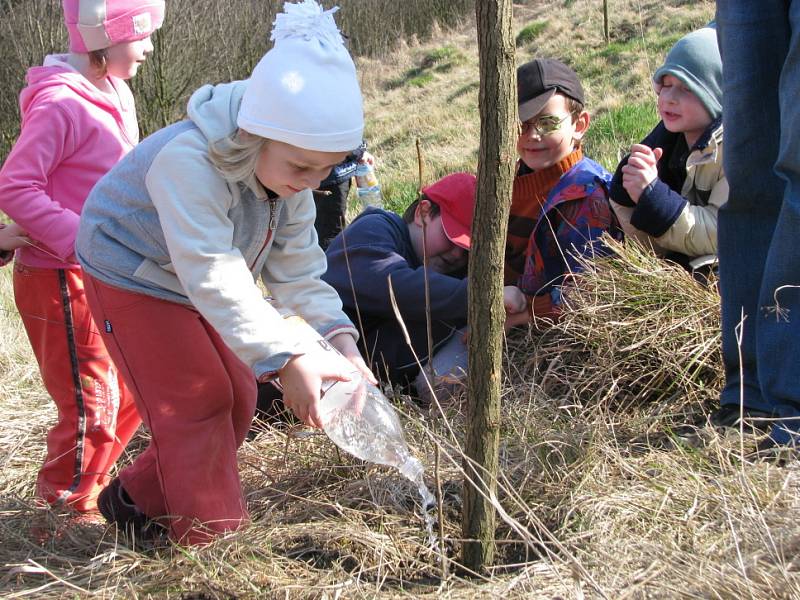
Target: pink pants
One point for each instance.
(196, 398)
(96, 413)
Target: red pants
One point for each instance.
(196, 398)
(96, 413)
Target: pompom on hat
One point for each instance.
(305, 91)
(97, 24)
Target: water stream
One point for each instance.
(412, 469)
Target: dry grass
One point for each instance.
(639, 330)
(586, 510)
(590, 508)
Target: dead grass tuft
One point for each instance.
(636, 330)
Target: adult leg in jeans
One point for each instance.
(754, 42)
(778, 332)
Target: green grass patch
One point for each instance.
(440, 60)
(615, 49)
(420, 80)
(664, 43)
(409, 77)
(612, 133)
(398, 194)
(445, 54)
(530, 32)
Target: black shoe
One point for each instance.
(770, 451)
(117, 507)
(728, 415)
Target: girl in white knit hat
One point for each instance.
(78, 120)
(173, 240)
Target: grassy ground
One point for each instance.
(599, 497)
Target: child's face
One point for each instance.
(287, 169)
(681, 111)
(539, 151)
(123, 59)
(443, 255)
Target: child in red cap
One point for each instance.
(380, 249)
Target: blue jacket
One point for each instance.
(568, 229)
(345, 169)
(378, 248)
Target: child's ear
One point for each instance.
(581, 126)
(422, 212)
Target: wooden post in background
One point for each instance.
(499, 128)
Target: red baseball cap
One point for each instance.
(455, 196)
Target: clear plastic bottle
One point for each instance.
(367, 186)
(359, 418)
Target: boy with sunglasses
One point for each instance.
(559, 205)
(667, 191)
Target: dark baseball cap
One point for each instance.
(539, 80)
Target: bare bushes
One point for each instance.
(202, 41)
(28, 31)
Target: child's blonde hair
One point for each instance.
(236, 156)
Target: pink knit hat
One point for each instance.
(98, 24)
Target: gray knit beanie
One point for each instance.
(695, 60)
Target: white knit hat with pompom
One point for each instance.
(305, 91)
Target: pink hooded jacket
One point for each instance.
(71, 135)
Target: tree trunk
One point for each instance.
(498, 109)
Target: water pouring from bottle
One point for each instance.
(360, 420)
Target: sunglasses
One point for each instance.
(543, 125)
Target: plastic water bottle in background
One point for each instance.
(367, 186)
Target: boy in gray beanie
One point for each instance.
(667, 191)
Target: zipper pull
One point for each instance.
(273, 214)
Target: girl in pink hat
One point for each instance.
(78, 120)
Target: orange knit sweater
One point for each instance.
(529, 195)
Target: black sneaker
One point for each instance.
(770, 451)
(117, 507)
(728, 415)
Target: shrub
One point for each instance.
(636, 329)
(530, 32)
(202, 41)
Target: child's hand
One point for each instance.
(514, 300)
(301, 379)
(346, 344)
(515, 319)
(641, 170)
(12, 236)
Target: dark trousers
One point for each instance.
(758, 227)
(331, 211)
